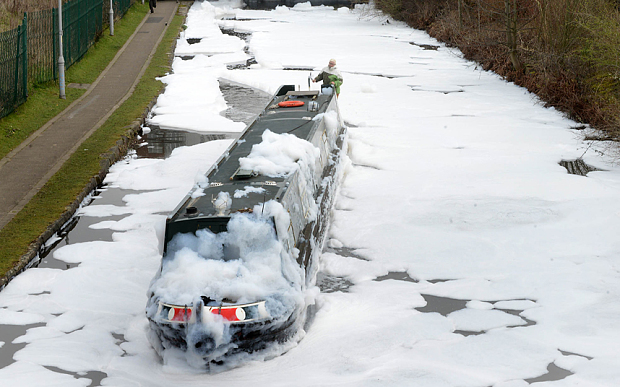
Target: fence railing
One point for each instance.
(41, 45)
(29, 53)
(82, 22)
(121, 7)
(13, 68)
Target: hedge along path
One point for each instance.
(47, 211)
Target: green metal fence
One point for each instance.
(82, 22)
(13, 69)
(41, 50)
(121, 7)
(29, 53)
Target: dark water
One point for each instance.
(244, 104)
(577, 167)
(159, 143)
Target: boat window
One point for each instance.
(215, 228)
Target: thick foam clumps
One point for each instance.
(279, 155)
(245, 264)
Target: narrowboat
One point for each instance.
(241, 249)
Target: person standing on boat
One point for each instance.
(331, 76)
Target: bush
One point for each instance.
(12, 11)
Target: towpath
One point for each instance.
(25, 170)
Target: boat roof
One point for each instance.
(226, 176)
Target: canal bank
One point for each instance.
(27, 172)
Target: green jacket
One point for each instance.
(328, 76)
(337, 82)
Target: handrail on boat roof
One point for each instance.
(308, 93)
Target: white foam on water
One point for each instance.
(453, 176)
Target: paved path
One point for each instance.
(27, 168)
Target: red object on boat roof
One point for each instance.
(291, 103)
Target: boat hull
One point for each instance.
(305, 197)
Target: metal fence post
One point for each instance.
(18, 41)
(111, 19)
(54, 45)
(61, 59)
(24, 49)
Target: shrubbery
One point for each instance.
(12, 11)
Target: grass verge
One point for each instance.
(66, 185)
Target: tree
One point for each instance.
(512, 30)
